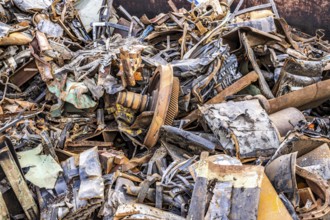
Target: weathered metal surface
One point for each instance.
(238, 126)
(221, 201)
(245, 194)
(306, 15)
(22, 75)
(320, 187)
(281, 172)
(317, 161)
(186, 140)
(296, 142)
(305, 98)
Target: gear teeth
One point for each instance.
(173, 108)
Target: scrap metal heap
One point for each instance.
(207, 113)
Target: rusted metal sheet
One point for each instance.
(24, 74)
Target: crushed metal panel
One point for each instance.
(282, 173)
(243, 128)
(199, 196)
(317, 161)
(220, 204)
(296, 74)
(85, 187)
(43, 169)
(300, 143)
(245, 195)
(91, 181)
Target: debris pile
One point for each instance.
(201, 113)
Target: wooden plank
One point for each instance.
(17, 181)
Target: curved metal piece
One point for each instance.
(322, 187)
(263, 102)
(163, 76)
(317, 161)
(282, 173)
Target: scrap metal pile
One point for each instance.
(206, 113)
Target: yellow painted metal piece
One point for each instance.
(270, 205)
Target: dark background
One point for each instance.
(307, 15)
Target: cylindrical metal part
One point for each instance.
(302, 97)
(133, 100)
(286, 119)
